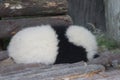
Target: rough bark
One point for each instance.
(1, 45)
(60, 72)
(53, 72)
(76, 71)
(107, 59)
(3, 55)
(112, 11)
(11, 26)
(12, 8)
(87, 12)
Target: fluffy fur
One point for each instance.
(68, 52)
(82, 37)
(34, 45)
(40, 45)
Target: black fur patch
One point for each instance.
(68, 52)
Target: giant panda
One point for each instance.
(48, 44)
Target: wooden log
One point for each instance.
(1, 45)
(74, 72)
(61, 71)
(12, 8)
(10, 27)
(53, 72)
(107, 59)
(3, 55)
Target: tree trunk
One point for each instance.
(12, 8)
(112, 12)
(85, 12)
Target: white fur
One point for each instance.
(34, 45)
(80, 36)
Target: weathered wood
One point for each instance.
(53, 72)
(1, 44)
(12, 8)
(107, 59)
(3, 55)
(10, 27)
(112, 11)
(84, 12)
(76, 71)
(92, 71)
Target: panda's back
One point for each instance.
(68, 52)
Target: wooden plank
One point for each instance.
(10, 27)
(12, 8)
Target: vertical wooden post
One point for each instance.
(112, 12)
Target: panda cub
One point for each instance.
(53, 45)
